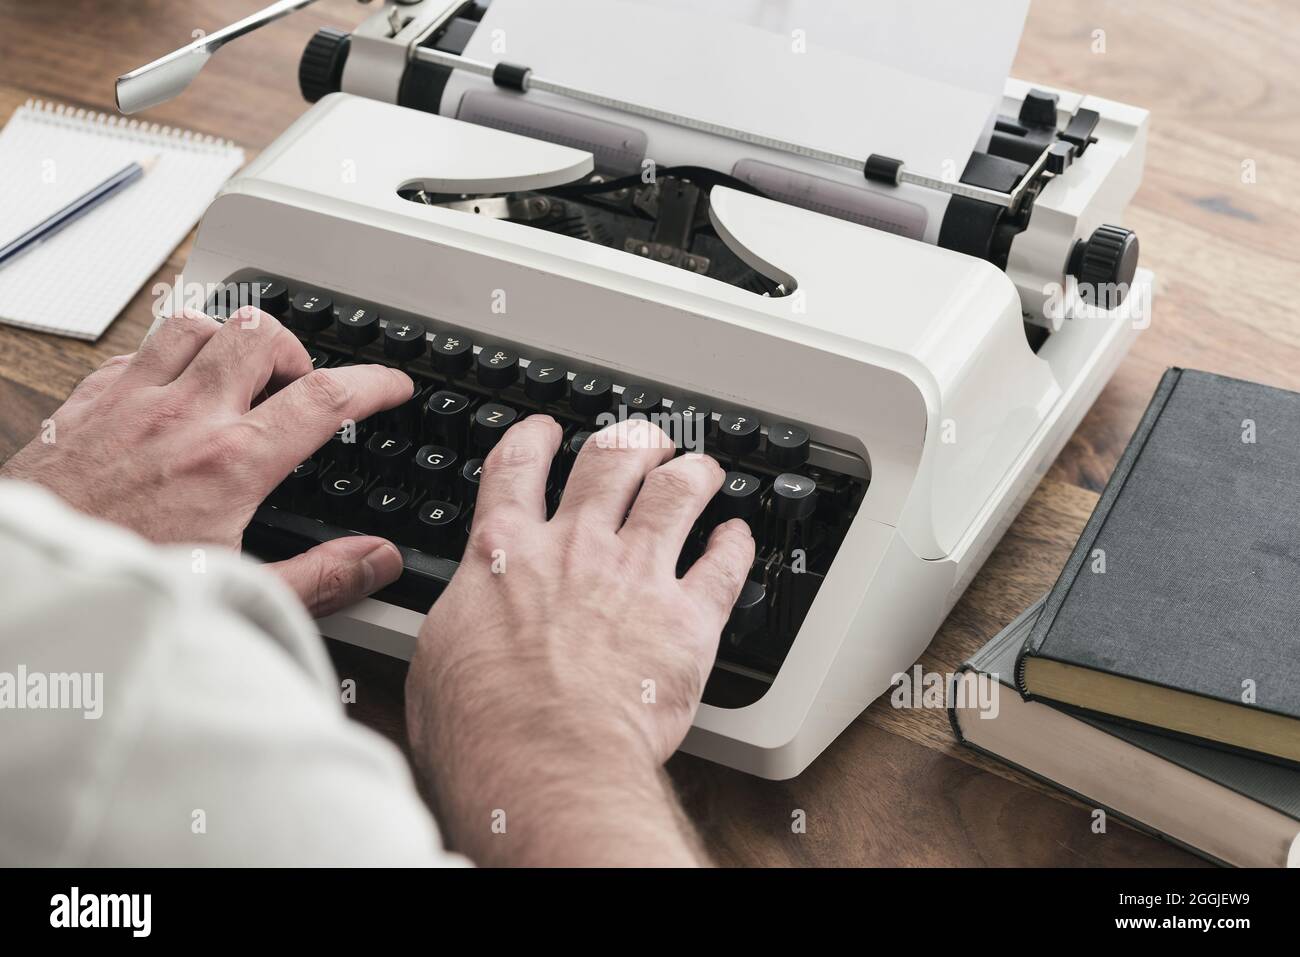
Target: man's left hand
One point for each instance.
(182, 440)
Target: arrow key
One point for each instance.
(794, 497)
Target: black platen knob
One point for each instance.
(1105, 264)
(320, 70)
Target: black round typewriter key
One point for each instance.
(562, 465)
(229, 298)
(446, 417)
(218, 304)
(405, 418)
(590, 395)
(794, 497)
(387, 453)
(272, 295)
(438, 526)
(738, 433)
(311, 312)
(299, 486)
(404, 339)
(739, 496)
(434, 467)
(344, 493)
(386, 508)
(697, 421)
(344, 446)
(497, 368)
(546, 382)
(470, 475)
(787, 445)
(491, 419)
(641, 400)
(357, 326)
(451, 354)
(318, 358)
(749, 613)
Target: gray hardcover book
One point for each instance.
(1223, 805)
(1178, 608)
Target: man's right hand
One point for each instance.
(566, 660)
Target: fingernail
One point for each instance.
(382, 566)
(541, 417)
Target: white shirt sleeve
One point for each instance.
(177, 707)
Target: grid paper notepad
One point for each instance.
(76, 282)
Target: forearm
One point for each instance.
(526, 789)
(567, 816)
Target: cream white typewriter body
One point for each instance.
(909, 364)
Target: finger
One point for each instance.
(171, 347)
(99, 380)
(340, 572)
(250, 350)
(671, 499)
(515, 472)
(718, 575)
(609, 470)
(301, 417)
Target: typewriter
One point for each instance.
(884, 385)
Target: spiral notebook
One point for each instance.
(77, 282)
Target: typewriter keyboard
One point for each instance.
(411, 474)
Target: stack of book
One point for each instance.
(1160, 677)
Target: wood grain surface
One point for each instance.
(895, 789)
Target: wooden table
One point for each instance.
(1220, 81)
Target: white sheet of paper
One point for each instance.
(969, 46)
(915, 80)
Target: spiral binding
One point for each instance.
(126, 128)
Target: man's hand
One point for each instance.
(182, 440)
(566, 660)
